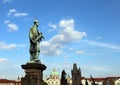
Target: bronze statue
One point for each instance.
(35, 37)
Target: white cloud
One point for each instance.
(52, 25)
(4, 46)
(71, 49)
(11, 11)
(99, 37)
(16, 14)
(51, 49)
(96, 68)
(7, 21)
(3, 60)
(106, 45)
(20, 14)
(11, 26)
(100, 68)
(79, 52)
(66, 23)
(20, 45)
(66, 35)
(6, 1)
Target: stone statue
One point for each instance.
(35, 37)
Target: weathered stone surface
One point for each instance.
(34, 74)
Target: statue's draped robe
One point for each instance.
(34, 41)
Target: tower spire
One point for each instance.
(76, 75)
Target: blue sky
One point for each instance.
(85, 32)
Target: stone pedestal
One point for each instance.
(34, 74)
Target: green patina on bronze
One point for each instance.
(35, 37)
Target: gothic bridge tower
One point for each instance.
(76, 75)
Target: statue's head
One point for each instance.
(36, 22)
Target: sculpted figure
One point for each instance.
(35, 37)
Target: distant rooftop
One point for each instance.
(54, 73)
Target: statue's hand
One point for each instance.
(33, 41)
(43, 37)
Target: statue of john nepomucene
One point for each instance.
(35, 37)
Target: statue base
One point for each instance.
(34, 74)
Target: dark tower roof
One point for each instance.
(74, 66)
(75, 70)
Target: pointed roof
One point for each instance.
(75, 70)
(63, 72)
(75, 66)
